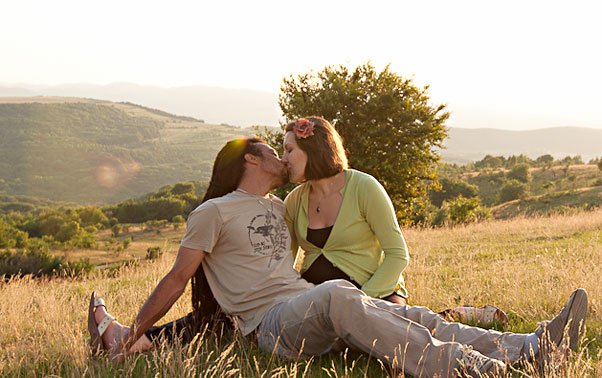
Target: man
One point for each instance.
(239, 238)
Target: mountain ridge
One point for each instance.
(465, 145)
(239, 107)
(97, 151)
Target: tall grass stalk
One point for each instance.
(526, 266)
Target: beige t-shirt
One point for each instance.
(249, 265)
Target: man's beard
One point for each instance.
(284, 179)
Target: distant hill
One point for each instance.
(239, 107)
(90, 151)
(245, 107)
(467, 145)
(95, 151)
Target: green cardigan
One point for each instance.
(365, 242)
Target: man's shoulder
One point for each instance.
(214, 204)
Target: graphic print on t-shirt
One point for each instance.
(268, 235)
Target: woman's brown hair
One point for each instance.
(325, 152)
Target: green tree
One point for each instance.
(177, 221)
(547, 186)
(600, 165)
(511, 162)
(116, 229)
(521, 173)
(390, 129)
(465, 210)
(126, 243)
(8, 234)
(182, 187)
(490, 162)
(513, 189)
(91, 216)
(545, 161)
(67, 231)
(572, 178)
(452, 188)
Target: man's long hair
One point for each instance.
(228, 169)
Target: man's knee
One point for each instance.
(337, 293)
(339, 287)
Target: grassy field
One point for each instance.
(548, 188)
(526, 266)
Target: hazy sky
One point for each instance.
(506, 64)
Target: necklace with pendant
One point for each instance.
(324, 197)
(269, 211)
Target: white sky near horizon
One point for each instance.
(512, 64)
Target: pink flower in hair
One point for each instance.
(303, 128)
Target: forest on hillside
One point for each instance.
(94, 153)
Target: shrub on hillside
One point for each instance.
(76, 268)
(34, 259)
(155, 208)
(512, 190)
(155, 225)
(520, 172)
(67, 231)
(489, 162)
(116, 229)
(441, 216)
(11, 237)
(466, 210)
(459, 210)
(85, 238)
(92, 216)
(177, 221)
(545, 161)
(182, 188)
(153, 253)
(452, 188)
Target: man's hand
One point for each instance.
(162, 298)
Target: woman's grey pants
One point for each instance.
(413, 339)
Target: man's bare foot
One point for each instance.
(116, 333)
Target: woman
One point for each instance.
(342, 218)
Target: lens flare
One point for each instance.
(113, 172)
(107, 175)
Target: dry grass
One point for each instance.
(527, 267)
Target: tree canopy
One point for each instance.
(389, 127)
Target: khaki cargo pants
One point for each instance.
(412, 339)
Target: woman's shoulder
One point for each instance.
(362, 179)
(295, 194)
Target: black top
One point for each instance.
(318, 236)
(321, 269)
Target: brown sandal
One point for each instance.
(97, 330)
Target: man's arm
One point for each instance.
(165, 294)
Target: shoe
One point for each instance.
(475, 365)
(481, 316)
(563, 332)
(97, 330)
